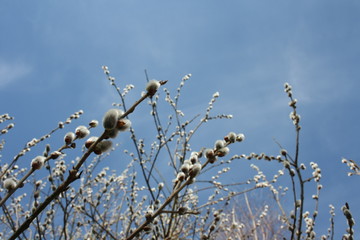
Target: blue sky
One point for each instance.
(51, 55)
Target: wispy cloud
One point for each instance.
(12, 71)
(318, 78)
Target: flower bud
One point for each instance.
(90, 141)
(36, 194)
(231, 137)
(283, 152)
(223, 151)
(161, 186)
(185, 168)
(240, 137)
(55, 154)
(212, 159)
(112, 133)
(9, 184)
(149, 213)
(180, 176)
(111, 117)
(209, 153)
(37, 162)
(102, 147)
(194, 158)
(195, 170)
(346, 213)
(82, 132)
(152, 87)
(123, 124)
(93, 123)
(97, 151)
(47, 150)
(219, 144)
(69, 137)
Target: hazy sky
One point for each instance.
(51, 53)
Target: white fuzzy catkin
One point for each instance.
(195, 170)
(93, 123)
(90, 141)
(110, 119)
(55, 154)
(219, 144)
(240, 137)
(180, 176)
(209, 153)
(69, 137)
(105, 146)
(283, 152)
(9, 184)
(38, 162)
(231, 137)
(123, 124)
(152, 87)
(223, 151)
(113, 133)
(185, 168)
(82, 132)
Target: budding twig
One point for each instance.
(73, 176)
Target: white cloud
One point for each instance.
(12, 71)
